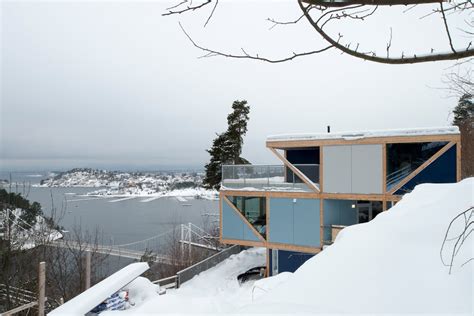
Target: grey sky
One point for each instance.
(115, 84)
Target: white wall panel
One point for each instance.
(337, 169)
(366, 169)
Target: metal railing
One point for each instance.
(268, 177)
(190, 272)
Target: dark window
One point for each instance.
(305, 160)
(403, 159)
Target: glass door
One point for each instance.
(364, 212)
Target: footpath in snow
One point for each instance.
(389, 265)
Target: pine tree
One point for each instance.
(464, 110)
(227, 147)
(464, 119)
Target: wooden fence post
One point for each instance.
(41, 287)
(87, 284)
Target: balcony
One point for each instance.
(268, 177)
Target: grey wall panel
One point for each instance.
(366, 169)
(337, 169)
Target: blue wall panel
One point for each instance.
(306, 230)
(281, 221)
(249, 234)
(442, 170)
(290, 261)
(338, 212)
(232, 225)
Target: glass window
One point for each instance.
(254, 210)
(403, 159)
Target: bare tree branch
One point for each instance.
(446, 26)
(212, 13)
(188, 8)
(275, 22)
(245, 55)
(389, 44)
(385, 60)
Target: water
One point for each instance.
(119, 222)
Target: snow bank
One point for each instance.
(87, 300)
(213, 291)
(366, 134)
(389, 265)
(140, 290)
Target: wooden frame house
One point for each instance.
(327, 182)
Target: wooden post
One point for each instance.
(87, 284)
(41, 287)
(189, 240)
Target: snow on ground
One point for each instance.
(389, 265)
(199, 193)
(213, 291)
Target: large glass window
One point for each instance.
(306, 160)
(254, 210)
(403, 159)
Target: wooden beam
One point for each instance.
(293, 247)
(421, 168)
(221, 195)
(243, 193)
(267, 263)
(458, 161)
(321, 174)
(283, 144)
(384, 168)
(321, 222)
(312, 195)
(249, 243)
(301, 175)
(256, 233)
(267, 217)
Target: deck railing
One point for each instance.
(268, 177)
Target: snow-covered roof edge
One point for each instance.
(446, 130)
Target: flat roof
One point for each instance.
(355, 135)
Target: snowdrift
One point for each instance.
(389, 265)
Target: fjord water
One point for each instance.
(119, 222)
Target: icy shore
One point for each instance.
(137, 184)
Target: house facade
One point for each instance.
(327, 182)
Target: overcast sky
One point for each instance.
(116, 85)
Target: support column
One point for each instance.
(41, 287)
(87, 284)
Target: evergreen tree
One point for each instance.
(227, 147)
(464, 110)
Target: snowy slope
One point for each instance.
(213, 291)
(389, 265)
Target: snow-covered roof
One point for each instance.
(447, 130)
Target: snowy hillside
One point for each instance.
(389, 265)
(116, 183)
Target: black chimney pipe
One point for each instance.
(329, 128)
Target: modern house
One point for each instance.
(327, 182)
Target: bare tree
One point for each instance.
(458, 232)
(325, 14)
